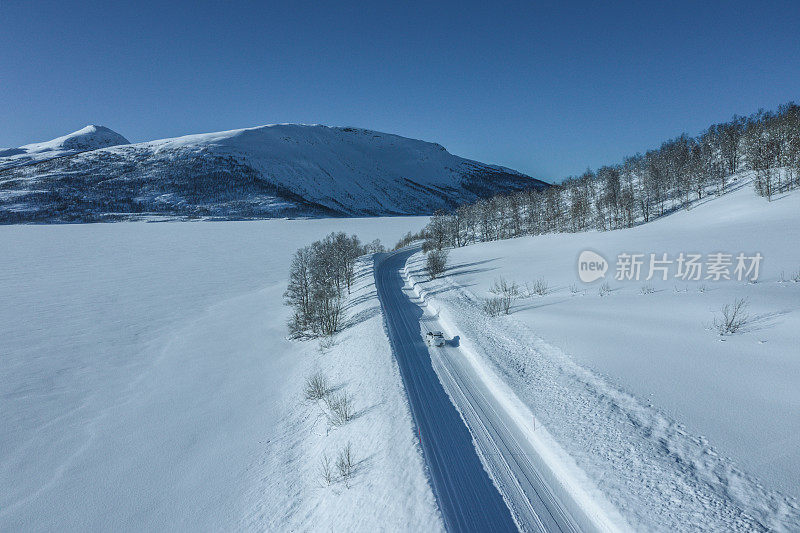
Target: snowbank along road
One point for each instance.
(462, 428)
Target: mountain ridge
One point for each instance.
(270, 171)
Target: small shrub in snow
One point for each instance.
(604, 289)
(345, 463)
(646, 289)
(527, 292)
(796, 277)
(539, 287)
(436, 263)
(341, 408)
(316, 387)
(325, 470)
(732, 317)
(702, 288)
(506, 292)
(573, 289)
(493, 306)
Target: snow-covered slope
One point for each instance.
(91, 137)
(681, 428)
(268, 171)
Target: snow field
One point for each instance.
(145, 373)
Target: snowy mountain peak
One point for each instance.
(90, 137)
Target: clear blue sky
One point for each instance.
(547, 89)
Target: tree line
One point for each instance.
(320, 276)
(642, 187)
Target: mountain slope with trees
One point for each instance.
(764, 146)
(264, 172)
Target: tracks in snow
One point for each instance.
(464, 431)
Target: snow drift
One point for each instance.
(268, 171)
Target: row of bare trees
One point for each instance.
(320, 276)
(642, 187)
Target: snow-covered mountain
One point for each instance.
(268, 171)
(91, 137)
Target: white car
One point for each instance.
(435, 338)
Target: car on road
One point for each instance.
(435, 338)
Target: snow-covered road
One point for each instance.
(434, 382)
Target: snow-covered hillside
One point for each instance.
(680, 427)
(147, 385)
(89, 138)
(268, 171)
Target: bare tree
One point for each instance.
(538, 288)
(436, 263)
(374, 247)
(437, 232)
(298, 292)
(493, 306)
(732, 317)
(325, 470)
(345, 463)
(341, 408)
(506, 292)
(318, 276)
(316, 386)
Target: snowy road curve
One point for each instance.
(467, 496)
